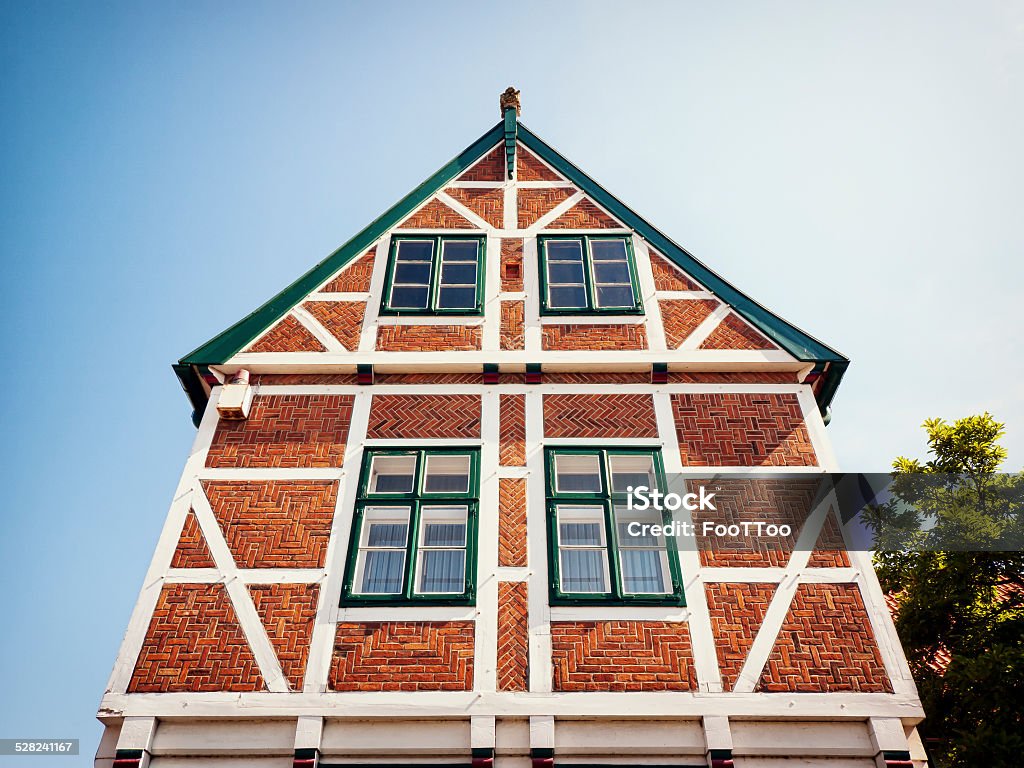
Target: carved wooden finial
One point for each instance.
(509, 100)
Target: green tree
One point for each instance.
(952, 557)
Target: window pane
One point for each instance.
(632, 471)
(392, 474)
(447, 474)
(415, 272)
(583, 570)
(409, 297)
(386, 534)
(615, 296)
(382, 571)
(566, 298)
(456, 250)
(577, 474)
(565, 272)
(608, 250)
(415, 250)
(580, 534)
(458, 274)
(611, 272)
(442, 570)
(643, 571)
(456, 298)
(444, 535)
(564, 250)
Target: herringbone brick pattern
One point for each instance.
(825, 645)
(355, 278)
(491, 168)
(511, 264)
(403, 656)
(405, 417)
(667, 277)
(597, 377)
(513, 637)
(733, 333)
(756, 500)
(427, 338)
(274, 523)
(594, 336)
(584, 215)
(513, 335)
(737, 611)
(343, 319)
(287, 612)
(285, 431)
(584, 415)
(436, 215)
(429, 378)
(534, 203)
(830, 549)
(512, 430)
(195, 644)
(680, 318)
(488, 204)
(529, 168)
(734, 377)
(286, 379)
(289, 335)
(512, 521)
(622, 656)
(742, 430)
(192, 550)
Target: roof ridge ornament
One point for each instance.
(509, 99)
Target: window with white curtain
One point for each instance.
(413, 537)
(596, 554)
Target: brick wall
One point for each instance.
(668, 277)
(285, 431)
(511, 264)
(535, 203)
(289, 335)
(355, 278)
(513, 637)
(742, 429)
(680, 317)
(342, 319)
(274, 523)
(512, 332)
(737, 611)
(436, 215)
(192, 550)
(594, 336)
(584, 215)
(488, 204)
(490, 168)
(512, 550)
(427, 338)
(826, 644)
(512, 430)
(622, 656)
(830, 549)
(529, 168)
(585, 415)
(194, 643)
(424, 416)
(287, 612)
(733, 333)
(403, 656)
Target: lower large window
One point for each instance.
(600, 550)
(414, 528)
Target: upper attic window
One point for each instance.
(430, 275)
(584, 275)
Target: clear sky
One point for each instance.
(166, 167)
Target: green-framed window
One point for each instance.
(594, 554)
(414, 528)
(588, 274)
(434, 275)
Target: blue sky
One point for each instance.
(167, 167)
